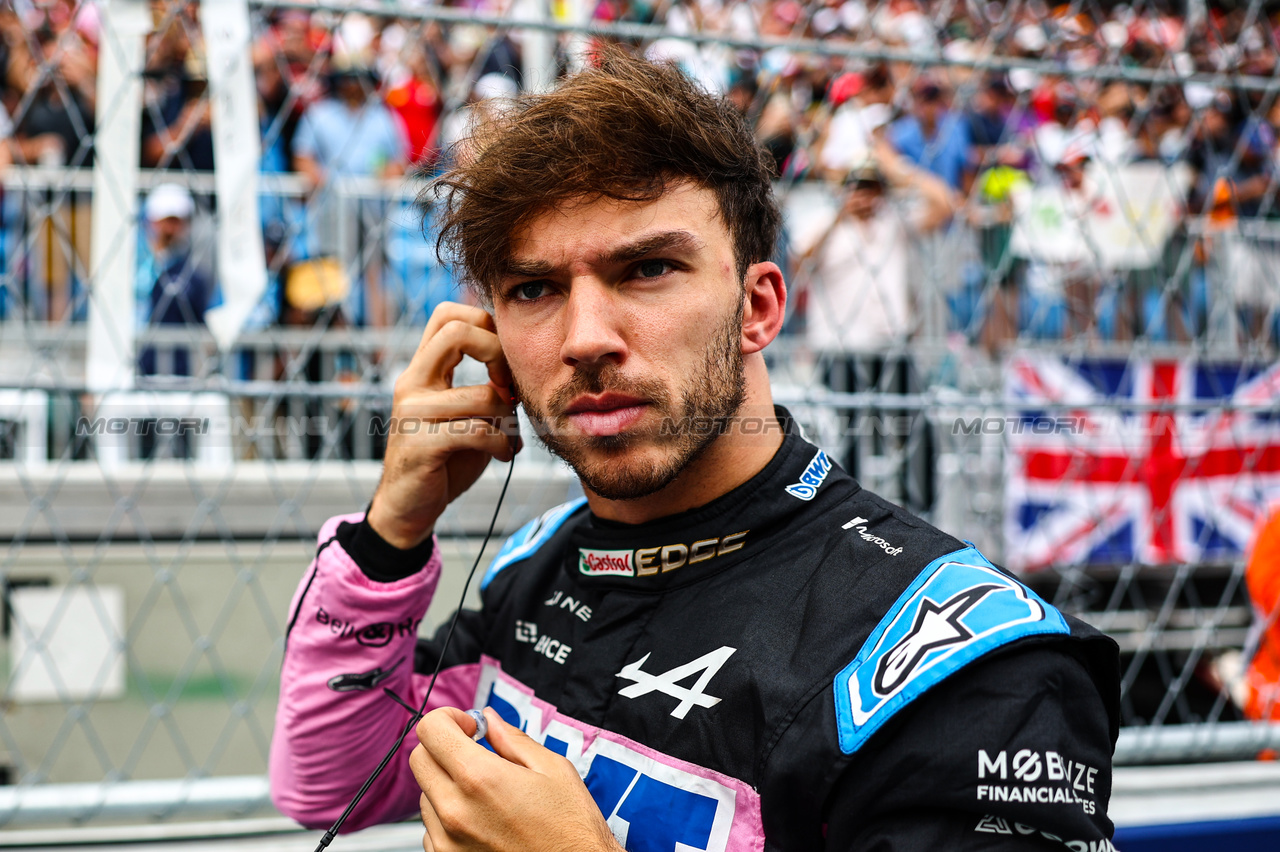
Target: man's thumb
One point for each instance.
(511, 743)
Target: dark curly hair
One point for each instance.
(622, 129)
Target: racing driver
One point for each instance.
(728, 644)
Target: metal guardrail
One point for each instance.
(1202, 743)
(241, 796)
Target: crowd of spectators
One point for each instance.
(986, 99)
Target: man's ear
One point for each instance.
(764, 306)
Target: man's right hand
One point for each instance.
(441, 437)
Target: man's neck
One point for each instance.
(733, 458)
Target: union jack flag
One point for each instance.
(1137, 460)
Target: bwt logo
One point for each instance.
(163, 426)
(812, 478)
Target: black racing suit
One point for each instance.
(795, 665)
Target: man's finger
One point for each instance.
(466, 401)
(513, 744)
(432, 366)
(479, 435)
(433, 835)
(448, 311)
(445, 738)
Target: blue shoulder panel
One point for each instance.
(530, 537)
(959, 608)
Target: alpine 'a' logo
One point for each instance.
(668, 683)
(936, 626)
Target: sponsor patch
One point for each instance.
(605, 563)
(812, 478)
(991, 824)
(647, 561)
(362, 680)
(650, 800)
(959, 608)
(1060, 778)
(861, 526)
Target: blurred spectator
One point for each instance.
(176, 114)
(417, 103)
(1229, 145)
(491, 93)
(859, 308)
(6, 138)
(1080, 278)
(1262, 577)
(350, 133)
(179, 292)
(846, 140)
(57, 125)
(860, 298)
(933, 136)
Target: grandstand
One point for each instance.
(1034, 260)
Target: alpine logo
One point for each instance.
(668, 683)
(936, 626)
(879, 542)
(812, 478)
(605, 563)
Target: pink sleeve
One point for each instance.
(348, 638)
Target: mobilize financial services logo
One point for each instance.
(647, 561)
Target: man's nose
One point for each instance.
(591, 323)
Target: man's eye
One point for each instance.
(530, 290)
(652, 268)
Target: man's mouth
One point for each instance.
(601, 415)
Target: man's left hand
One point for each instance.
(524, 797)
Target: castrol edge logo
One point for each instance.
(646, 561)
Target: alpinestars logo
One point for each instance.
(936, 626)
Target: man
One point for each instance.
(726, 645)
(934, 137)
(859, 315)
(172, 290)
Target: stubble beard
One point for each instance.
(612, 466)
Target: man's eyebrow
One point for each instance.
(527, 268)
(665, 241)
(676, 241)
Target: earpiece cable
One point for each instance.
(418, 714)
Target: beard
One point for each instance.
(616, 466)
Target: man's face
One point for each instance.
(862, 198)
(169, 231)
(622, 324)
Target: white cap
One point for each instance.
(169, 201)
(1031, 38)
(495, 85)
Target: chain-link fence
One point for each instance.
(1035, 297)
